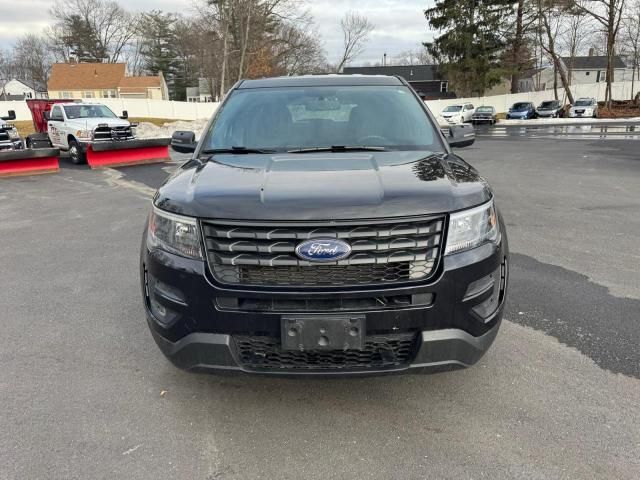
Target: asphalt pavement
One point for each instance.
(86, 394)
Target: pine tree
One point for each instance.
(470, 46)
(159, 49)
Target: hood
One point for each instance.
(323, 186)
(91, 123)
(450, 114)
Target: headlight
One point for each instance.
(13, 134)
(85, 134)
(472, 228)
(173, 233)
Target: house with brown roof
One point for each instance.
(103, 80)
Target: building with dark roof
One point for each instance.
(425, 79)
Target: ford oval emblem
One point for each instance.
(323, 250)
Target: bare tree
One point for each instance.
(609, 14)
(418, 56)
(33, 59)
(548, 24)
(110, 25)
(631, 41)
(356, 29)
(577, 29)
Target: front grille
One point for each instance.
(382, 253)
(380, 351)
(112, 133)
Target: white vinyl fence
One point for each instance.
(142, 108)
(620, 90)
(138, 108)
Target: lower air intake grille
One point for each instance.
(380, 351)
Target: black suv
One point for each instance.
(323, 226)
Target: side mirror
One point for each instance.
(461, 136)
(183, 142)
(125, 115)
(11, 116)
(46, 116)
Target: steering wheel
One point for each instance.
(383, 140)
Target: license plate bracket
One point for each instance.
(322, 332)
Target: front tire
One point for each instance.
(76, 154)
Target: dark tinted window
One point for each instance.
(550, 104)
(521, 106)
(88, 111)
(56, 112)
(306, 117)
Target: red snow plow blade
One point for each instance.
(128, 152)
(29, 162)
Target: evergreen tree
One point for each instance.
(159, 49)
(81, 40)
(471, 45)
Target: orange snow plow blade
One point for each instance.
(29, 162)
(128, 152)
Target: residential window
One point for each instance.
(66, 95)
(587, 73)
(87, 95)
(443, 87)
(602, 76)
(108, 94)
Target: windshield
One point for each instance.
(520, 106)
(583, 103)
(549, 104)
(484, 109)
(289, 118)
(88, 111)
(453, 108)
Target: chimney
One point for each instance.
(591, 51)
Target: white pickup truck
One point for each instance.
(73, 127)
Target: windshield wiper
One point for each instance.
(339, 148)
(235, 150)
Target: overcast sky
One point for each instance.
(400, 24)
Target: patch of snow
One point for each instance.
(149, 130)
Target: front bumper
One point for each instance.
(11, 145)
(518, 116)
(196, 321)
(438, 351)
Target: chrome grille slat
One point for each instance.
(383, 252)
(112, 133)
(283, 246)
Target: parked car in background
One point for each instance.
(584, 107)
(522, 111)
(484, 114)
(550, 109)
(9, 136)
(458, 113)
